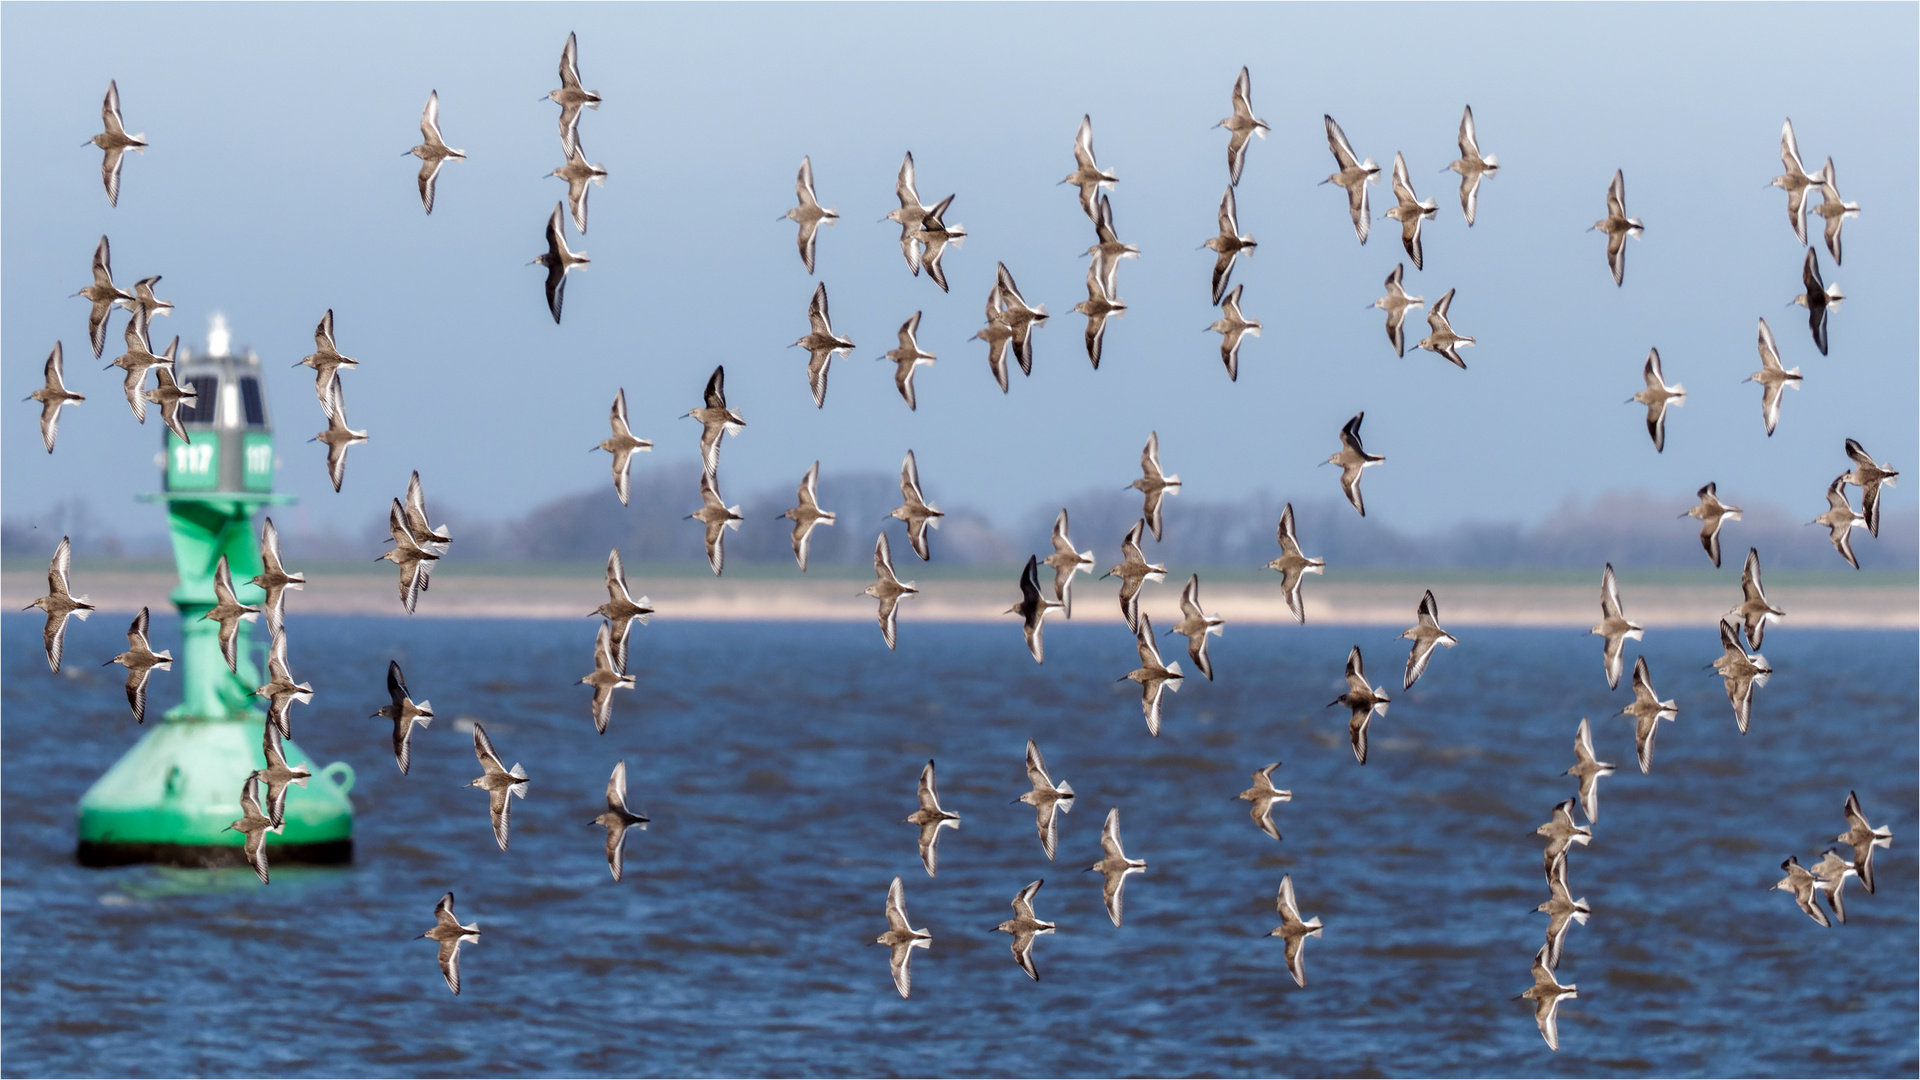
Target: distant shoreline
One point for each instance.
(568, 592)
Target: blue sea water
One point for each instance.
(777, 761)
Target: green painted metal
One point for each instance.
(171, 797)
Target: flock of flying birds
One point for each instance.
(925, 235)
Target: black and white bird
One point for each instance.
(116, 142)
(53, 396)
(140, 660)
(405, 714)
(450, 934)
(433, 151)
(1869, 476)
(1363, 700)
(807, 515)
(1353, 460)
(1712, 514)
(1818, 299)
(498, 782)
(1472, 167)
(1293, 565)
(622, 445)
(716, 419)
(617, 819)
(1658, 397)
(1033, 608)
(1618, 226)
(809, 213)
(1441, 337)
(559, 261)
(930, 819)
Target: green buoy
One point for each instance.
(170, 798)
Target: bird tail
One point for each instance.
(519, 789)
(1065, 789)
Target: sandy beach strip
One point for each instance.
(569, 593)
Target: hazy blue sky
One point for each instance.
(276, 188)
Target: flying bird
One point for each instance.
(1233, 327)
(622, 444)
(1754, 611)
(558, 259)
(254, 825)
(1546, 993)
(414, 557)
(116, 142)
(278, 775)
(716, 419)
(1741, 671)
(1396, 304)
(1409, 210)
(405, 714)
(434, 538)
(1426, 634)
(1048, 799)
(1293, 930)
(909, 215)
(915, 510)
(1830, 876)
(718, 517)
(1618, 226)
(809, 214)
(228, 612)
(1772, 378)
(1154, 484)
(138, 358)
(1101, 304)
(1227, 246)
(1352, 174)
(1657, 397)
(1614, 627)
(1561, 910)
(1841, 519)
(997, 334)
(821, 343)
(104, 295)
(1862, 837)
(578, 174)
(498, 782)
(1195, 625)
(888, 589)
(606, 677)
(281, 691)
(1263, 795)
(326, 361)
(1472, 167)
(1087, 174)
(1033, 608)
(140, 660)
(273, 579)
(907, 358)
(1110, 250)
(1712, 514)
(901, 938)
(621, 610)
(935, 235)
(1292, 565)
(1353, 460)
(1019, 317)
(1802, 886)
(1561, 832)
(433, 152)
(1363, 699)
(52, 396)
(1153, 675)
(617, 819)
(169, 394)
(1647, 711)
(1441, 337)
(1587, 771)
(1869, 476)
(806, 514)
(1025, 926)
(1241, 127)
(570, 96)
(931, 819)
(144, 303)
(1795, 181)
(1066, 562)
(339, 437)
(1836, 212)
(1133, 570)
(450, 934)
(1114, 866)
(1818, 299)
